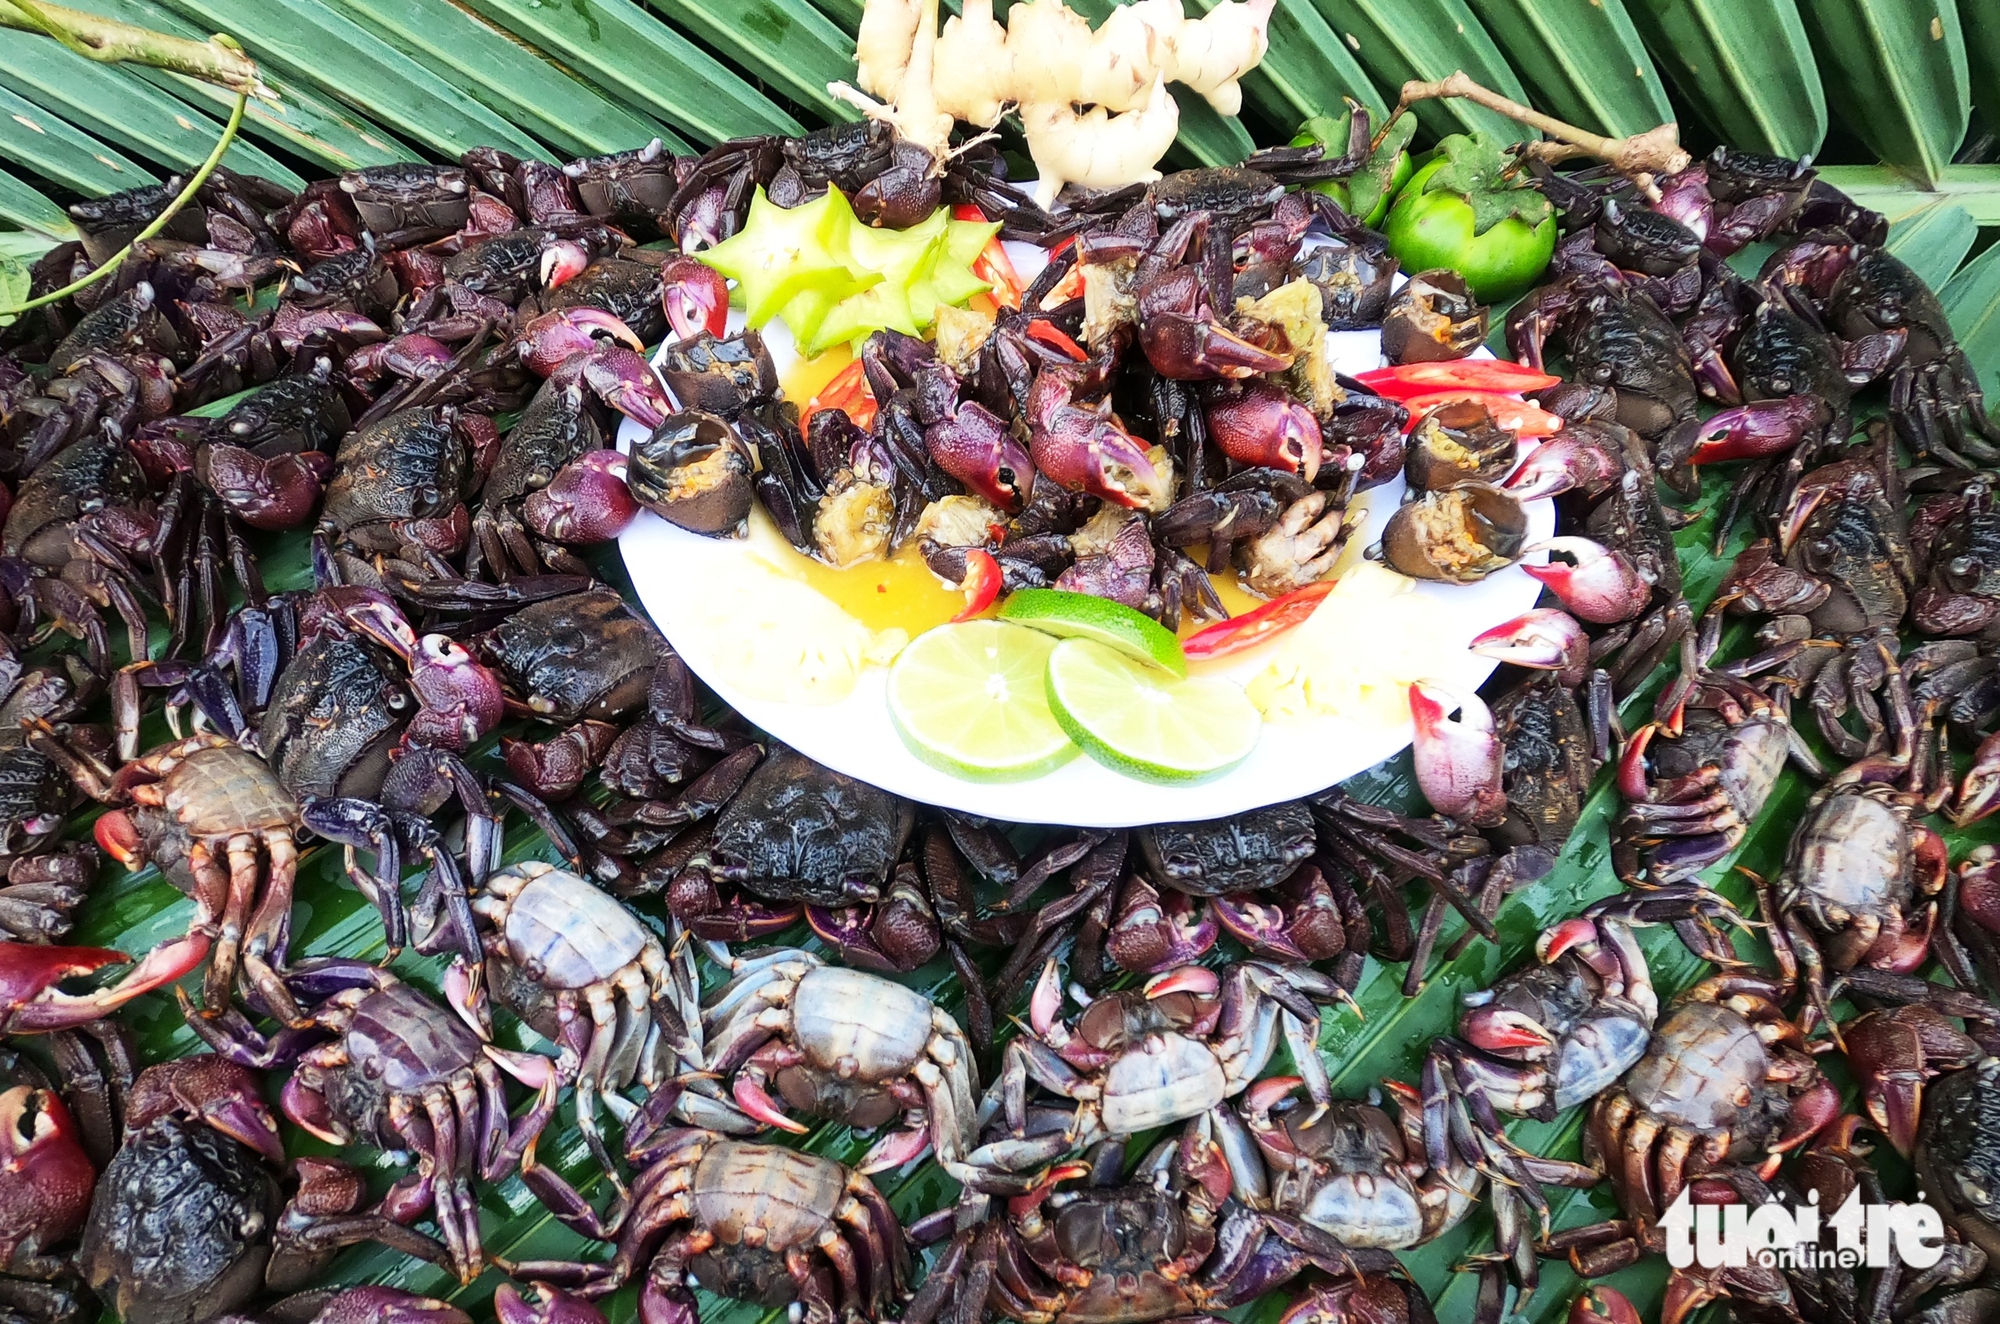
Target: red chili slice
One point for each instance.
(981, 583)
(993, 265)
(1408, 379)
(1053, 336)
(1523, 418)
(1254, 627)
(848, 391)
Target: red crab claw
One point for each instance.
(1202, 1159)
(975, 446)
(694, 297)
(1085, 453)
(46, 1178)
(1266, 428)
(118, 836)
(308, 1110)
(279, 492)
(1633, 775)
(1566, 462)
(1190, 349)
(1497, 1028)
(1979, 793)
(554, 338)
(1793, 521)
(621, 378)
(563, 260)
(1603, 586)
(752, 1098)
(667, 1303)
(1752, 431)
(1979, 887)
(1196, 979)
(1544, 639)
(222, 1094)
(894, 1150)
(587, 501)
(1567, 936)
(461, 699)
(1812, 1112)
(1603, 1305)
(1458, 763)
(1021, 1205)
(29, 974)
(392, 1305)
(1894, 1052)
(551, 1307)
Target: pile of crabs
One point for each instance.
(421, 365)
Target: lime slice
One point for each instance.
(971, 699)
(1081, 616)
(1145, 723)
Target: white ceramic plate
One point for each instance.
(855, 735)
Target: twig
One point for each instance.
(1642, 157)
(159, 223)
(218, 60)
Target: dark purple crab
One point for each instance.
(190, 1219)
(379, 1062)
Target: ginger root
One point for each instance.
(1093, 103)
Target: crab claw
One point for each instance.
(553, 338)
(1893, 1052)
(1544, 639)
(1196, 979)
(1086, 453)
(1750, 432)
(563, 260)
(1979, 793)
(118, 836)
(222, 1094)
(1496, 1029)
(894, 1150)
(975, 447)
(48, 1176)
(694, 297)
(1265, 428)
(667, 1303)
(1190, 349)
(1046, 1000)
(620, 377)
(1459, 764)
(1979, 887)
(278, 492)
(553, 1307)
(1603, 587)
(751, 1097)
(413, 355)
(461, 698)
(29, 974)
(1603, 1305)
(1566, 936)
(587, 501)
(1570, 461)
(392, 1305)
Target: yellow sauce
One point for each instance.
(900, 593)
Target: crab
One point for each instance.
(1861, 880)
(841, 1044)
(1165, 1244)
(382, 1063)
(583, 971)
(797, 835)
(1691, 795)
(1724, 1080)
(1170, 1050)
(202, 807)
(747, 1221)
(190, 1219)
(46, 1180)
